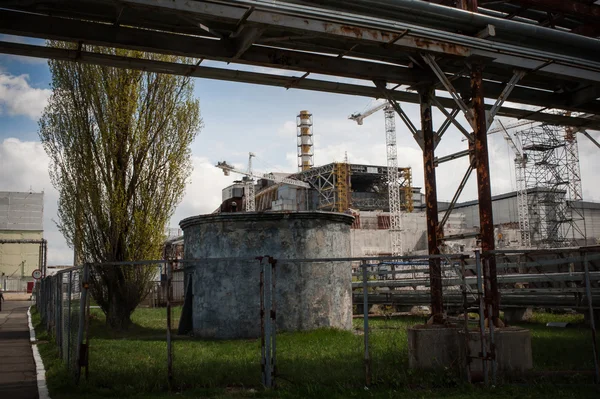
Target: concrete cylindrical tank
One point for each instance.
(226, 300)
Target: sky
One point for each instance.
(240, 118)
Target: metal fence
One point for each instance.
(384, 280)
(61, 302)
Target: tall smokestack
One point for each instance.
(304, 124)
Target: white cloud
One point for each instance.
(203, 190)
(17, 97)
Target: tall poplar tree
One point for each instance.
(119, 144)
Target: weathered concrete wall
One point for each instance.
(226, 301)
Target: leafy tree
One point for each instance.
(119, 144)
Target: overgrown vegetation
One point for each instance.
(323, 363)
(119, 147)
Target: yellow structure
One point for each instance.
(342, 186)
(407, 189)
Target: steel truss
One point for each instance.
(259, 33)
(548, 166)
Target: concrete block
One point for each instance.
(431, 347)
(513, 350)
(516, 315)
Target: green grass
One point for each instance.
(323, 363)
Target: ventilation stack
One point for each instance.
(305, 140)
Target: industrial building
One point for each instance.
(22, 245)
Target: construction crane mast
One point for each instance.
(249, 189)
(393, 175)
(250, 196)
(522, 201)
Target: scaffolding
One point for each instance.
(342, 185)
(550, 177)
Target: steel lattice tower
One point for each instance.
(546, 178)
(393, 176)
(572, 149)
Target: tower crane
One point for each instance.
(393, 175)
(522, 202)
(250, 194)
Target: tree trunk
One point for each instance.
(118, 316)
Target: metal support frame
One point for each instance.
(484, 190)
(504, 95)
(593, 140)
(435, 275)
(453, 120)
(430, 60)
(457, 194)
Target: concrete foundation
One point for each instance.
(431, 347)
(516, 315)
(513, 350)
(226, 300)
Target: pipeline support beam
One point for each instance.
(484, 191)
(425, 96)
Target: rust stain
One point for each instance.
(351, 30)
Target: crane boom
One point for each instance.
(393, 175)
(510, 141)
(358, 117)
(267, 176)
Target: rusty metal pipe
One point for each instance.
(431, 14)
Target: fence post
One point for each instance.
(273, 264)
(367, 356)
(268, 326)
(82, 352)
(263, 355)
(588, 293)
(466, 319)
(68, 336)
(169, 343)
(481, 317)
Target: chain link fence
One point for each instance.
(259, 297)
(61, 302)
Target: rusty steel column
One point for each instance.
(435, 272)
(484, 190)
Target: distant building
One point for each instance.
(21, 218)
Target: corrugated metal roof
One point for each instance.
(21, 211)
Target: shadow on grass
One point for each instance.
(323, 363)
